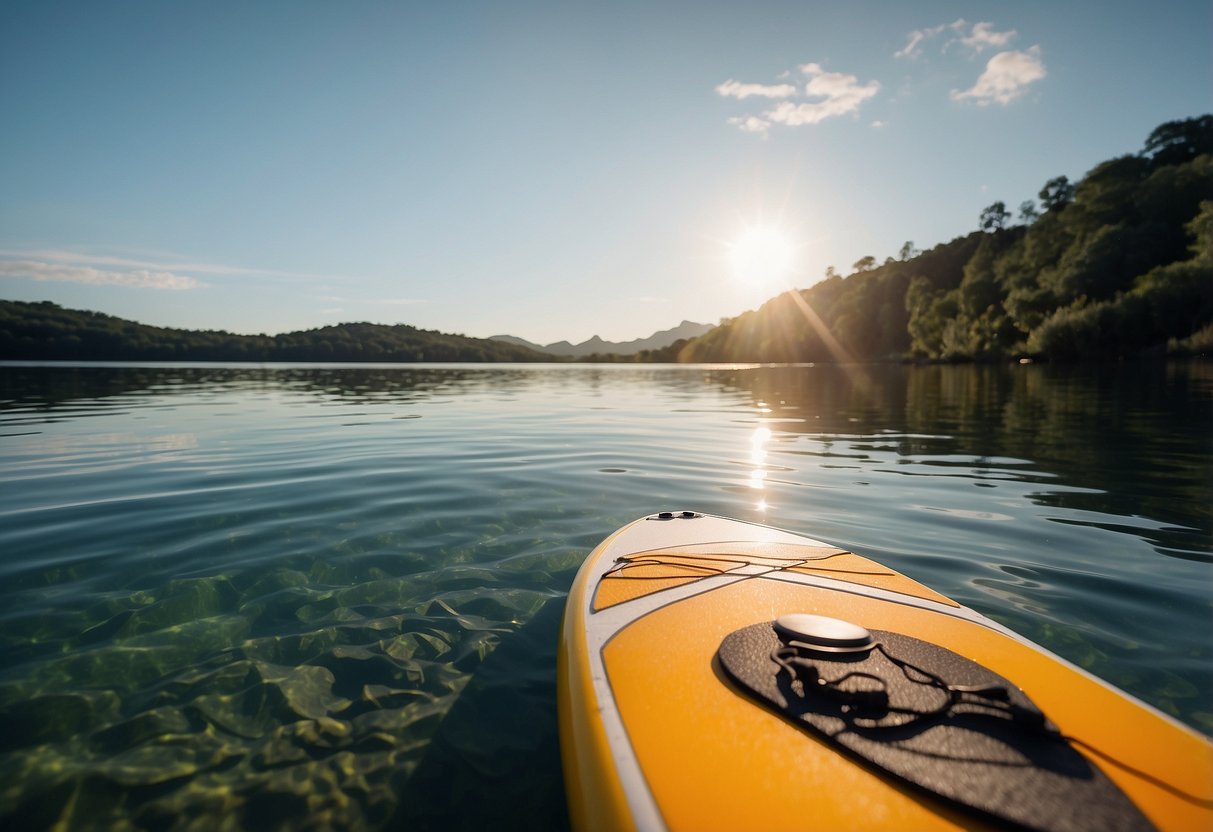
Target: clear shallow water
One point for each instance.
(330, 595)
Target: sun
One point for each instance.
(761, 256)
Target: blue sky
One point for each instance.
(548, 170)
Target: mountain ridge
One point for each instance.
(596, 345)
(45, 331)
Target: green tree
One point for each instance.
(1201, 231)
(1105, 196)
(1106, 262)
(1176, 142)
(994, 217)
(1057, 193)
(929, 311)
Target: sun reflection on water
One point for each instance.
(758, 455)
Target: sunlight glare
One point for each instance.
(761, 256)
(758, 442)
(758, 453)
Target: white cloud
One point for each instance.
(978, 37)
(916, 38)
(837, 94)
(736, 89)
(983, 37)
(166, 264)
(1006, 77)
(88, 275)
(911, 48)
(878, 124)
(750, 124)
(345, 300)
(832, 93)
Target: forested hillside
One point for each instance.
(47, 332)
(1117, 264)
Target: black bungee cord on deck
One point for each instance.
(864, 707)
(869, 700)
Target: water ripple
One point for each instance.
(329, 595)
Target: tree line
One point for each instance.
(1119, 263)
(47, 332)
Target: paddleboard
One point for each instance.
(718, 674)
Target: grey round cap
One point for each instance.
(823, 631)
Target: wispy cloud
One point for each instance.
(750, 124)
(918, 37)
(736, 89)
(976, 37)
(1007, 76)
(830, 94)
(838, 94)
(371, 301)
(88, 275)
(982, 37)
(163, 264)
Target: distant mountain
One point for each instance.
(48, 332)
(686, 329)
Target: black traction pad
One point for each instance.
(976, 757)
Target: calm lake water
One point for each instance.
(307, 595)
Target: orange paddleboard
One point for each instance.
(716, 674)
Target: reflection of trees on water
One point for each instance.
(53, 385)
(1127, 440)
(48, 386)
(1124, 440)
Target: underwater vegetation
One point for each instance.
(299, 697)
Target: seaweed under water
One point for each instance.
(308, 695)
